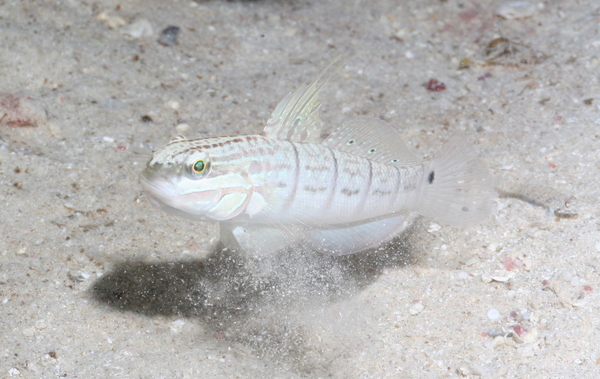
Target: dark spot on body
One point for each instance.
(465, 209)
(381, 193)
(348, 192)
(146, 118)
(431, 177)
(314, 189)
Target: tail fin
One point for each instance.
(458, 188)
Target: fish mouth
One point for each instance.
(160, 192)
(155, 191)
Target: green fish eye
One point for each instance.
(199, 166)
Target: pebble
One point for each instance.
(493, 314)
(516, 9)
(138, 29)
(433, 227)
(174, 104)
(416, 309)
(176, 326)
(112, 21)
(168, 36)
(182, 128)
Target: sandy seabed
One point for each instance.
(96, 283)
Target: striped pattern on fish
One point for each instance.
(350, 191)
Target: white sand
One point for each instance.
(94, 282)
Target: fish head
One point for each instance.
(190, 181)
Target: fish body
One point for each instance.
(288, 183)
(350, 191)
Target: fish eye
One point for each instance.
(199, 167)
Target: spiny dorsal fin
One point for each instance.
(296, 117)
(177, 138)
(373, 139)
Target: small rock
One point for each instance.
(138, 29)
(433, 227)
(516, 9)
(112, 21)
(168, 36)
(182, 128)
(173, 104)
(176, 326)
(416, 309)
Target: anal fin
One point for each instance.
(352, 238)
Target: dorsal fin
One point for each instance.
(296, 117)
(373, 139)
(177, 138)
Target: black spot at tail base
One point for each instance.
(431, 177)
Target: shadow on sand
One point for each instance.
(257, 302)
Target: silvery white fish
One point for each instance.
(350, 191)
